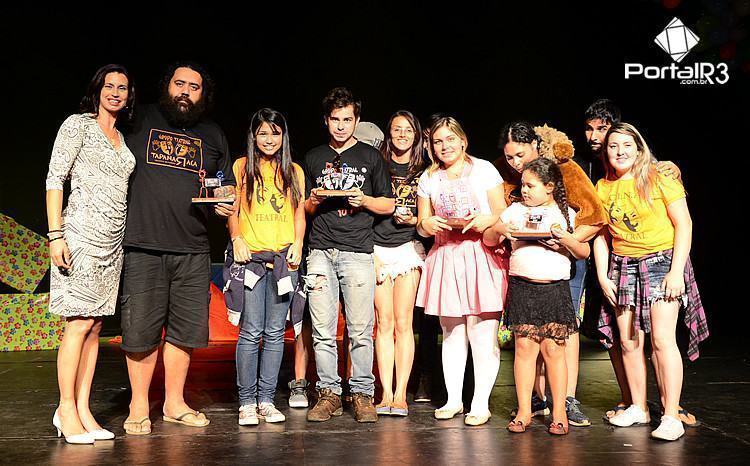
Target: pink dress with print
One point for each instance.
(461, 276)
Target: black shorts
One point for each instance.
(164, 291)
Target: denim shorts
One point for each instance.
(400, 260)
(640, 281)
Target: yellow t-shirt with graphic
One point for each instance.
(638, 228)
(267, 224)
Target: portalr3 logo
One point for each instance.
(677, 40)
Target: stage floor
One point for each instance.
(716, 390)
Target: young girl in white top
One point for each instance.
(539, 307)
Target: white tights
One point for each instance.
(481, 332)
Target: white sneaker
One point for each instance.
(269, 412)
(249, 415)
(633, 416)
(670, 429)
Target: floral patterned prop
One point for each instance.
(25, 324)
(505, 336)
(24, 255)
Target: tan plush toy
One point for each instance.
(555, 144)
(580, 191)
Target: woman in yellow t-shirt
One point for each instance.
(267, 235)
(647, 277)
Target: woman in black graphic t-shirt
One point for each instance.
(399, 258)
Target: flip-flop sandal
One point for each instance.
(198, 420)
(685, 416)
(682, 414)
(614, 412)
(558, 428)
(518, 427)
(141, 427)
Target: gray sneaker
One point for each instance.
(269, 413)
(539, 407)
(575, 415)
(298, 395)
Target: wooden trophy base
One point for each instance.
(530, 235)
(212, 200)
(457, 223)
(335, 192)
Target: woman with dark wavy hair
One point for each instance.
(522, 143)
(267, 234)
(85, 239)
(399, 259)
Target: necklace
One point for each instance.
(456, 172)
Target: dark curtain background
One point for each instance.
(486, 63)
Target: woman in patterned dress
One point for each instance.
(85, 239)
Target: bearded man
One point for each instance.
(165, 290)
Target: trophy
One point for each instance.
(403, 211)
(533, 229)
(456, 218)
(457, 222)
(335, 192)
(335, 179)
(212, 192)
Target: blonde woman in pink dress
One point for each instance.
(464, 282)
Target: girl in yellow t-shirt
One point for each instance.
(267, 235)
(647, 276)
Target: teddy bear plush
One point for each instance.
(580, 191)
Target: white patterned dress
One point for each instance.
(93, 222)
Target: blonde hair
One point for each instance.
(453, 126)
(643, 169)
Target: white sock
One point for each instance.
(485, 352)
(455, 351)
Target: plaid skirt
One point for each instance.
(639, 286)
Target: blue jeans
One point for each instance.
(263, 316)
(577, 288)
(328, 272)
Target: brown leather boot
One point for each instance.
(364, 410)
(329, 404)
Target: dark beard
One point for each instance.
(177, 117)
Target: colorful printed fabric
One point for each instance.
(504, 336)
(25, 324)
(24, 255)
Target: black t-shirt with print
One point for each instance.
(336, 224)
(591, 164)
(387, 232)
(161, 215)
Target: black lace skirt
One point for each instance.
(540, 310)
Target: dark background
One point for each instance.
(486, 64)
